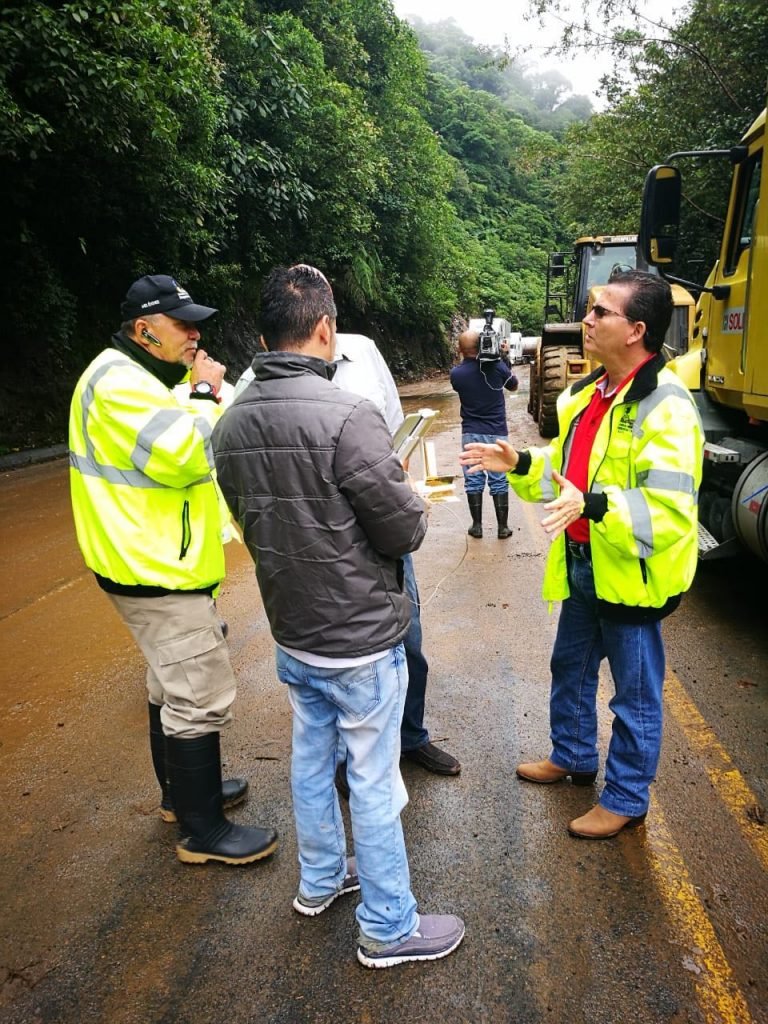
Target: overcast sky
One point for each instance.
(488, 21)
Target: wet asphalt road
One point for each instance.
(102, 925)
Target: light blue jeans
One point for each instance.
(635, 653)
(361, 707)
(474, 483)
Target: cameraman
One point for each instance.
(480, 386)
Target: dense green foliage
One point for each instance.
(428, 177)
(500, 126)
(502, 191)
(213, 139)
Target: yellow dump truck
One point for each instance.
(727, 362)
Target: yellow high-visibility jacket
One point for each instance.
(646, 462)
(146, 505)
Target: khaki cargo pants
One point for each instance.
(188, 669)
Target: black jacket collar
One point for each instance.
(170, 374)
(643, 383)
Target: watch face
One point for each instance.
(203, 387)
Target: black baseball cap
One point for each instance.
(158, 293)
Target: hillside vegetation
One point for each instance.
(427, 177)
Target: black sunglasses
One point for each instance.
(602, 311)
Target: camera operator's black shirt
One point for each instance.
(480, 387)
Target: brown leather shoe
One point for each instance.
(545, 773)
(600, 823)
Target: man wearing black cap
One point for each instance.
(149, 520)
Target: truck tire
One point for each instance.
(554, 377)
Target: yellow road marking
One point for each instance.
(728, 781)
(717, 992)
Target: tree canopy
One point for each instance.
(425, 175)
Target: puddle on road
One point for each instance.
(435, 393)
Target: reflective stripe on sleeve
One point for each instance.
(640, 516)
(647, 405)
(547, 485)
(146, 437)
(667, 480)
(88, 466)
(205, 429)
(130, 477)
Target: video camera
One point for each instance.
(489, 345)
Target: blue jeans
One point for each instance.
(635, 654)
(474, 483)
(412, 732)
(362, 707)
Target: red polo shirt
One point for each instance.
(584, 436)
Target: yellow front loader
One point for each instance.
(573, 281)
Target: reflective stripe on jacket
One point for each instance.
(647, 461)
(147, 510)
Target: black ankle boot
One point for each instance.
(475, 502)
(501, 504)
(194, 768)
(233, 791)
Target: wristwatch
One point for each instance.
(203, 389)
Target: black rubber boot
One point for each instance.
(475, 502)
(233, 791)
(194, 768)
(157, 748)
(501, 504)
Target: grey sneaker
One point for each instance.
(437, 935)
(311, 906)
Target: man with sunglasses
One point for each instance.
(620, 486)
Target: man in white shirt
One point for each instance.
(361, 368)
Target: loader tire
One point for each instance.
(554, 375)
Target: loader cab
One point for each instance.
(680, 329)
(596, 260)
(592, 261)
